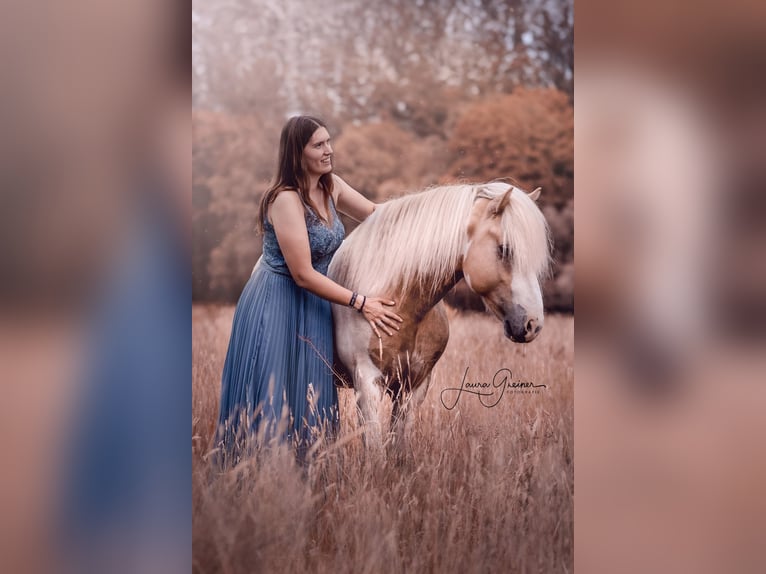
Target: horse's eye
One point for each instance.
(504, 253)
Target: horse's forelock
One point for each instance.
(526, 231)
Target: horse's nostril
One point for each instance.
(529, 326)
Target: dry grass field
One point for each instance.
(477, 489)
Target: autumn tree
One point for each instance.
(526, 136)
(381, 160)
(233, 161)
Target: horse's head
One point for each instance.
(506, 254)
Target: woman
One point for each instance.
(281, 346)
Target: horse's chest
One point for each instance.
(412, 353)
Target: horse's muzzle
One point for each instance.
(519, 327)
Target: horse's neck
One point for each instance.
(423, 302)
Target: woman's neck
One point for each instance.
(313, 184)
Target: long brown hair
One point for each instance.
(291, 172)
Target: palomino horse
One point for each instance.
(414, 249)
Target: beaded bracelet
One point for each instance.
(363, 302)
(353, 299)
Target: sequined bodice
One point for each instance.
(323, 241)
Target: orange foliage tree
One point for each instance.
(233, 160)
(381, 160)
(526, 135)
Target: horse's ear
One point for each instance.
(535, 195)
(498, 205)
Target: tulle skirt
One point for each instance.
(277, 379)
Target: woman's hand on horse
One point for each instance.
(380, 317)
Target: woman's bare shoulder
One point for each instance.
(338, 179)
(286, 192)
(339, 186)
(286, 202)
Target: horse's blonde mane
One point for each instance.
(418, 239)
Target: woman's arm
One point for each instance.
(287, 217)
(351, 202)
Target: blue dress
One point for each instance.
(282, 336)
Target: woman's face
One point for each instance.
(317, 155)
